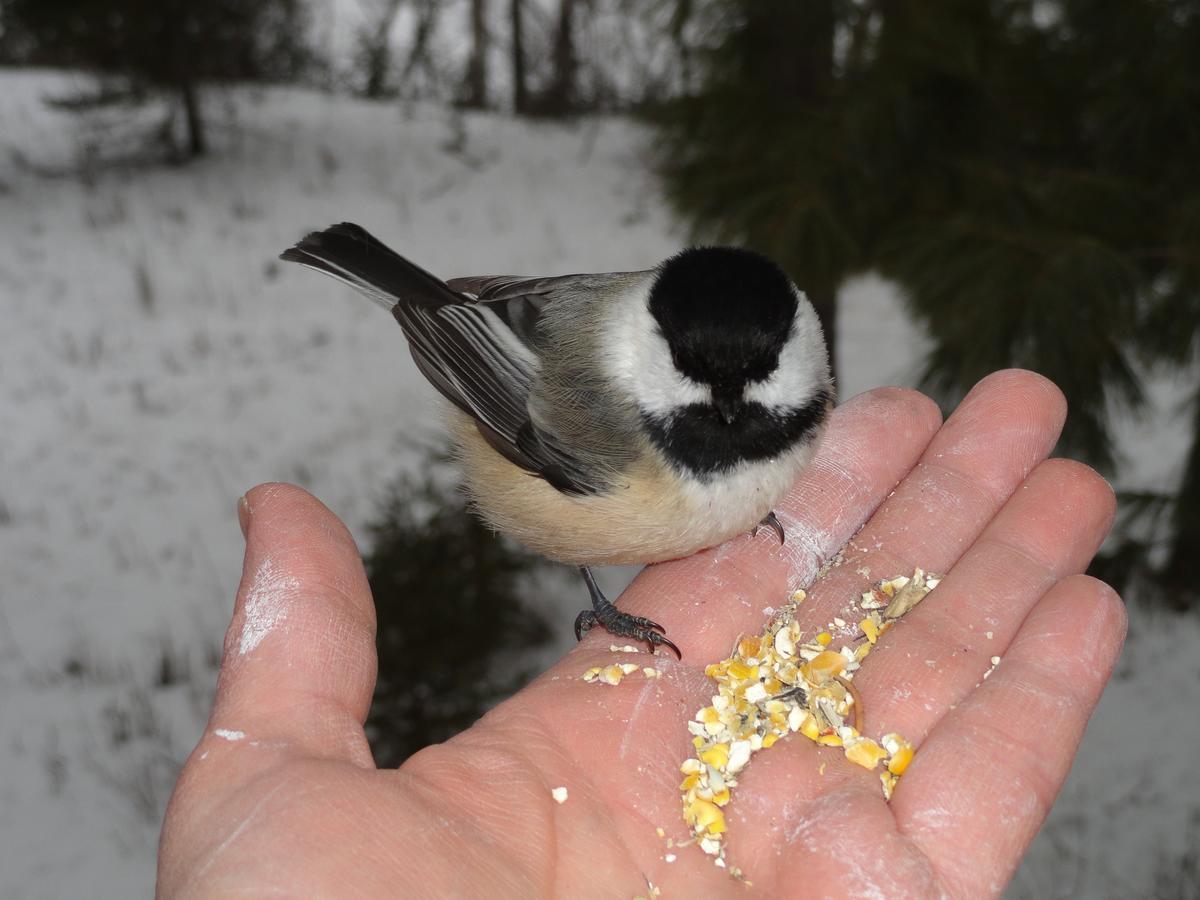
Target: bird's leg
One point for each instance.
(770, 521)
(615, 622)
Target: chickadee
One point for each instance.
(617, 418)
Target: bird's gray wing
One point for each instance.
(462, 344)
(520, 300)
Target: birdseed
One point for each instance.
(778, 683)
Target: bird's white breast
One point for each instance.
(656, 514)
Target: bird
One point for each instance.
(615, 418)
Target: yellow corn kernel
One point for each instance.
(748, 647)
(900, 760)
(769, 739)
(612, 674)
(705, 816)
(824, 638)
(741, 671)
(716, 756)
(709, 716)
(721, 797)
(866, 753)
(809, 727)
(773, 686)
(861, 652)
(715, 670)
(690, 782)
(825, 666)
(829, 740)
(870, 629)
(697, 742)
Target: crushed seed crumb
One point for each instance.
(615, 673)
(781, 682)
(559, 794)
(992, 668)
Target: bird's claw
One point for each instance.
(770, 520)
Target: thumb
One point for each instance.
(299, 661)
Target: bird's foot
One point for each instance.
(615, 622)
(772, 522)
(622, 624)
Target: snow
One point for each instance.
(156, 361)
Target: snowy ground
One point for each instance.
(156, 362)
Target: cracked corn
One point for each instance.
(777, 683)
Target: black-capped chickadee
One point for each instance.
(617, 418)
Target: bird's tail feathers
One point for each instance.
(352, 255)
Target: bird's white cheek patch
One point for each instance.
(799, 375)
(639, 362)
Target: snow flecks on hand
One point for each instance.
(266, 604)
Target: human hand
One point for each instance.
(281, 795)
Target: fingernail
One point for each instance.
(243, 510)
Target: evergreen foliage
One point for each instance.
(450, 609)
(1027, 172)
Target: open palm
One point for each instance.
(281, 795)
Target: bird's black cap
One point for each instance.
(725, 312)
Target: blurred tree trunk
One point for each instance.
(418, 56)
(197, 145)
(376, 49)
(789, 47)
(474, 93)
(561, 97)
(520, 89)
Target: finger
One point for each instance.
(1049, 529)
(706, 600)
(1007, 424)
(978, 790)
(299, 660)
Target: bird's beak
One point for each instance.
(728, 407)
